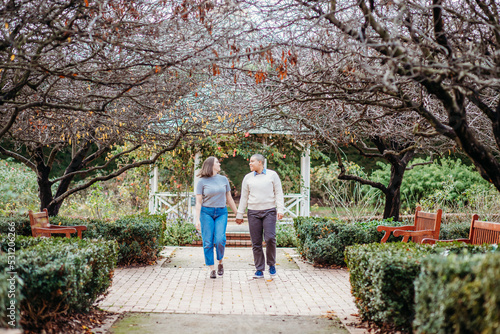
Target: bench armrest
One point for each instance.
(431, 241)
(389, 229)
(407, 234)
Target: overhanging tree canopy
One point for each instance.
(92, 74)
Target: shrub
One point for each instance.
(22, 224)
(445, 182)
(179, 232)
(458, 295)
(61, 275)
(382, 278)
(18, 243)
(285, 235)
(454, 231)
(323, 240)
(10, 298)
(139, 237)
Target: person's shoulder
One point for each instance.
(271, 172)
(222, 177)
(248, 175)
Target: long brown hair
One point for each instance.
(207, 169)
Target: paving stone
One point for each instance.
(181, 284)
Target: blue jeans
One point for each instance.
(213, 232)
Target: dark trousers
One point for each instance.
(263, 221)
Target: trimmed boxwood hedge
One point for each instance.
(458, 294)
(322, 241)
(139, 237)
(10, 291)
(382, 278)
(22, 224)
(60, 275)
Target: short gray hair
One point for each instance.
(259, 157)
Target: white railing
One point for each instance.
(293, 204)
(182, 204)
(174, 204)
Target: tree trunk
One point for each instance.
(398, 168)
(393, 193)
(44, 190)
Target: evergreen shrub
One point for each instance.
(179, 232)
(60, 275)
(139, 237)
(286, 235)
(22, 224)
(382, 278)
(458, 294)
(323, 240)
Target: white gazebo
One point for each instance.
(182, 204)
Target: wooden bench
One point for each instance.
(481, 232)
(40, 226)
(425, 224)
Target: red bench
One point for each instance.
(425, 224)
(481, 232)
(40, 226)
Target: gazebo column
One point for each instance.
(196, 178)
(153, 189)
(305, 172)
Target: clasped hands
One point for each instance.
(240, 221)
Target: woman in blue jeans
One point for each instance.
(212, 196)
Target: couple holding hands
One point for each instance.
(261, 192)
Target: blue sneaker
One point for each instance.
(272, 270)
(258, 274)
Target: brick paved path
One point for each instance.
(303, 291)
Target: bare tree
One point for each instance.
(83, 76)
(314, 100)
(449, 49)
(409, 76)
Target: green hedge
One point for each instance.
(139, 237)
(286, 235)
(456, 230)
(60, 275)
(323, 240)
(22, 224)
(382, 278)
(179, 232)
(10, 298)
(458, 295)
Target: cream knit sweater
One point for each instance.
(261, 192)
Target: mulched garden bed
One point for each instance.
(80, 323)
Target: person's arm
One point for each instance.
(197, 208)
(243, 200)
(230, 201)
(278, 196)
